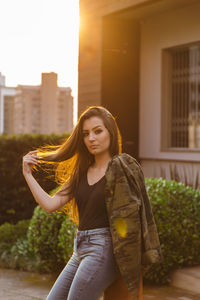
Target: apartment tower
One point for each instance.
(43, 109)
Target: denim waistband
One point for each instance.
(95, 231)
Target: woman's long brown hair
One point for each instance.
(71, 159)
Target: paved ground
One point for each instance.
(15, 285)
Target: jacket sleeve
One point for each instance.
(150, 240)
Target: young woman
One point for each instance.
(104, 192)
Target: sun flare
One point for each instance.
(40, 36)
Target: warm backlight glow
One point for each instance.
(39, 36)
(121, 226)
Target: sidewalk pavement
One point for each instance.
(17, 285)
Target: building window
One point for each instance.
(182, 95)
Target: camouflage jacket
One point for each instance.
(134, 234)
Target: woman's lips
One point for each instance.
(93, 146)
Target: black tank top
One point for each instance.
(90, 200)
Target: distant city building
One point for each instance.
(42, 109)
(7, 95)
(2, 80)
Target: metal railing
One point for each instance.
(185, 105)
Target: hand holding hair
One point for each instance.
(29, 161)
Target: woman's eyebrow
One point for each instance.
(84, 130)
(96, 127)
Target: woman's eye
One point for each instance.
(98, 131)
(85, 134)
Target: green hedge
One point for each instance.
(66, 239)
(43, 235)
(176, 210)
(14, 249)
(51, 237)
(10, 233)
(44, 243)
(17, 202)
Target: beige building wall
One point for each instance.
(49, 96)
(8, 114)
(7, 95)
(65, 105)
(43, 109)
(90, 46)
(90, 38)
(167, 29)
(163, 24)
(24, 110)
(19, 112)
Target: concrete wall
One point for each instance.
(168, 29)
(163, 24)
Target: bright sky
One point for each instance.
(39, 36)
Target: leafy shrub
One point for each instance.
(10, 233)
(176, 209)
(14, 250)
(43, 235)
(66, 239)
(51, 237)
(19, 256)
(17, 202)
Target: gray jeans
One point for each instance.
(90, 270)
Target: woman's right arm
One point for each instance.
(47, 202)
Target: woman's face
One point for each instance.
(96, 136)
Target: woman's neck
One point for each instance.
(101, 161)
